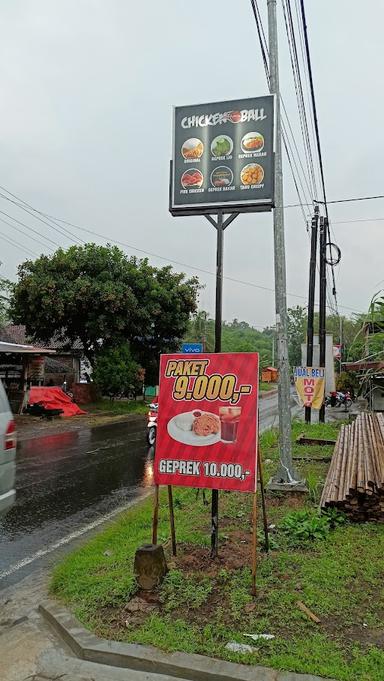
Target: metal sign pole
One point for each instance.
(322, 300)
(311, 298)
(220, 226)
(218, 325)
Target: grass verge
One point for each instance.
(117, 407)
(202, 605)
(265, 387)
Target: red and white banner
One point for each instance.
(207, 423)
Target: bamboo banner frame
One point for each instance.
(254, 520)
(155, 520)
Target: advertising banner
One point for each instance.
(192, 348)
(207, 424)
(223, 156)
(310, 384)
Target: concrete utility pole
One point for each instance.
(286, 473)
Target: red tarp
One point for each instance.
(54, 398)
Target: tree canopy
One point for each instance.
(5, 292)
(115, 371)
(101, 296)
(237, 336)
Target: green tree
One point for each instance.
(5, 292)
(201, 330)
(101, 296)
(237, 336)
(297, 329)
(115, 371)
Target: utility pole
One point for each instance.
(286, 473)
(322, 299)
(311, 298)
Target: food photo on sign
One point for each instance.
(207, 428)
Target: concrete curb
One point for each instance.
(264, 394)
(151, 660)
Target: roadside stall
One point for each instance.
(21, 366)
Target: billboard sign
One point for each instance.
(223, 156)
(310, 384)
(207, 424)
(192, 347)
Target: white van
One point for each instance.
(7, 454)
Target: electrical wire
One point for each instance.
(36, 214)
(295, 65)
(290, 152)
(317, 134)
(108, 239)
(17, 245)
(5, 222)
(19, 222)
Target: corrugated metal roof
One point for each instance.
(16, 333)
(18, 349)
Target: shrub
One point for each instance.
(115, 372)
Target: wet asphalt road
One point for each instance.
(65, 483)
(69, 483)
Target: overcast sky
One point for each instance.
(87, 88)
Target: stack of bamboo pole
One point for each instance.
(355, 480)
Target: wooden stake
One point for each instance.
(263, 504)
(155, 516)
(172, 519)
(254, 543)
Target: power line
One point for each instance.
(296, 71)
(348, 200)
(346, 222)
(36, 214)
(19, 222)
(297, 179)
(183, 264)
(103, 237)
(317, 132)
(17, 245)
(24, 233)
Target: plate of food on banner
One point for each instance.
(196, 428)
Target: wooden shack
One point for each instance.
(269, 375)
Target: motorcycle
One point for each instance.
(344, 399)
(152, 423)
(338, 399)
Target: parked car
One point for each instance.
(7, 454)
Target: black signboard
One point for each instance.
(223, 157)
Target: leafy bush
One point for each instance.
(115, 372)
(334, 517)
(306, 526)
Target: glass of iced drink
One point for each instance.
(229, 420)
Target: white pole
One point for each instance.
(286, 473)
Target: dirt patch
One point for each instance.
(291, 500)
(359, 633)
(236, 554)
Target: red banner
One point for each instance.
(207, 422)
